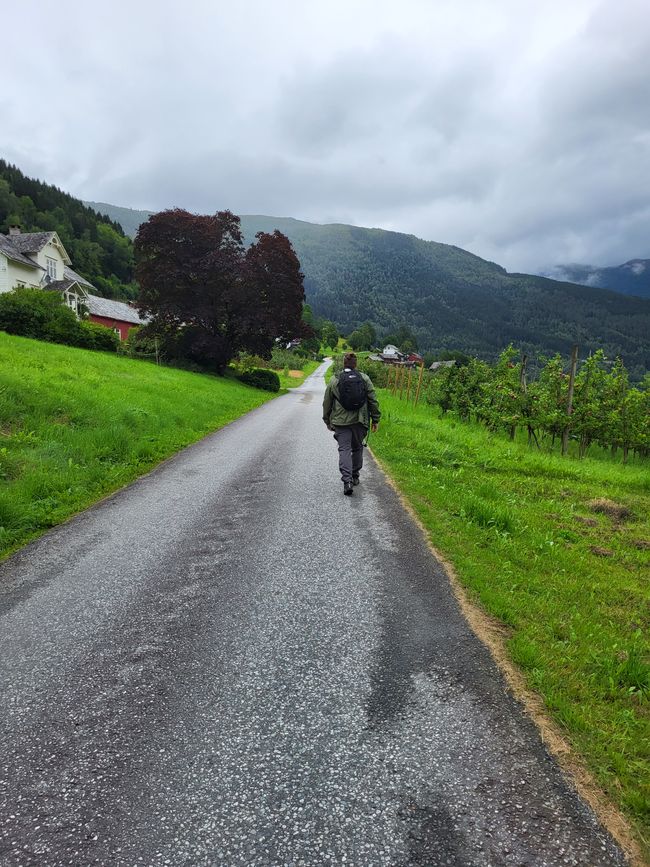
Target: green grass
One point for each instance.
(76, 425)
(287, 381)
(570, 583)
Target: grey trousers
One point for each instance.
(350, 440)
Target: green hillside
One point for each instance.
(451, 299)
(99, 250)
(76, 425)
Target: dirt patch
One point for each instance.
(588, 522)
(615, 511)
(601, 552)
(641, 544)
(295, 374)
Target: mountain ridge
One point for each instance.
(450, 298)
(630, 278)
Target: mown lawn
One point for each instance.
(76, 425)
(567, 575)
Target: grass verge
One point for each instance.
(76, 425)
(558, 552)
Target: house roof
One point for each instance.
(33, 242)
(69, 274)
(438, 364)
(12, 252)
(110, 309)
(64, 285)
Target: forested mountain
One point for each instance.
(448, 297)
(631, 278)
(97, 245)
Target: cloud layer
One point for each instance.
(520, 132)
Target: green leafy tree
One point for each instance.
(329, 334)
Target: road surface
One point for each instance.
(231, 663)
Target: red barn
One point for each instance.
(113, 314)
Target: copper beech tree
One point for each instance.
(208, 297)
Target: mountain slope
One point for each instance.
(450, 298)
(631, 278)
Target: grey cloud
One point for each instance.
(523, 136)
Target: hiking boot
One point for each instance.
(355, 480)
(347, 489)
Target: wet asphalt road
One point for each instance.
(230, 663)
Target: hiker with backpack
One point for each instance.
(349, 408)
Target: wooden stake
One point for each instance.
(401, 382)
(408, 387)
(395, 382)
(569, 403)
(417, 393)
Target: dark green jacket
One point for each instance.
(335, 415)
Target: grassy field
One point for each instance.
(76, 425)
(558, 551)
(293, 378)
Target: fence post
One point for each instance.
(569, 403)
(408, 387)
(417, 393)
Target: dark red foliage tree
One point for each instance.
(276, 291)
(207, 297)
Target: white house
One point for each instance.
(39, 260)
(392, 354)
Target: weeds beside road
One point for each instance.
(557, 550)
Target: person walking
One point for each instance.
(350, 407)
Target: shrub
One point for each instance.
(284, 358)
(44, 315)
(98, 336)
(260, 378)
(246, 362)
(35, 313)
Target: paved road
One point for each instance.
(190, 675)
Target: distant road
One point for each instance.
(230, 663)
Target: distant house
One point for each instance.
(117, 315)
(392, 355)
(38, 260)
(437, 365)
(414, 358)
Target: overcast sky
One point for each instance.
(518, 130)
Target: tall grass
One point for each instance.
(568, 578)
(75, 425)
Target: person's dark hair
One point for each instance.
(350, 360)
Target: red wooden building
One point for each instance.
(117, 315)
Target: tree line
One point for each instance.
(590, 403)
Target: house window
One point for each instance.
(51, 267)
(20, 283)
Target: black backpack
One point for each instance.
(352, 390)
